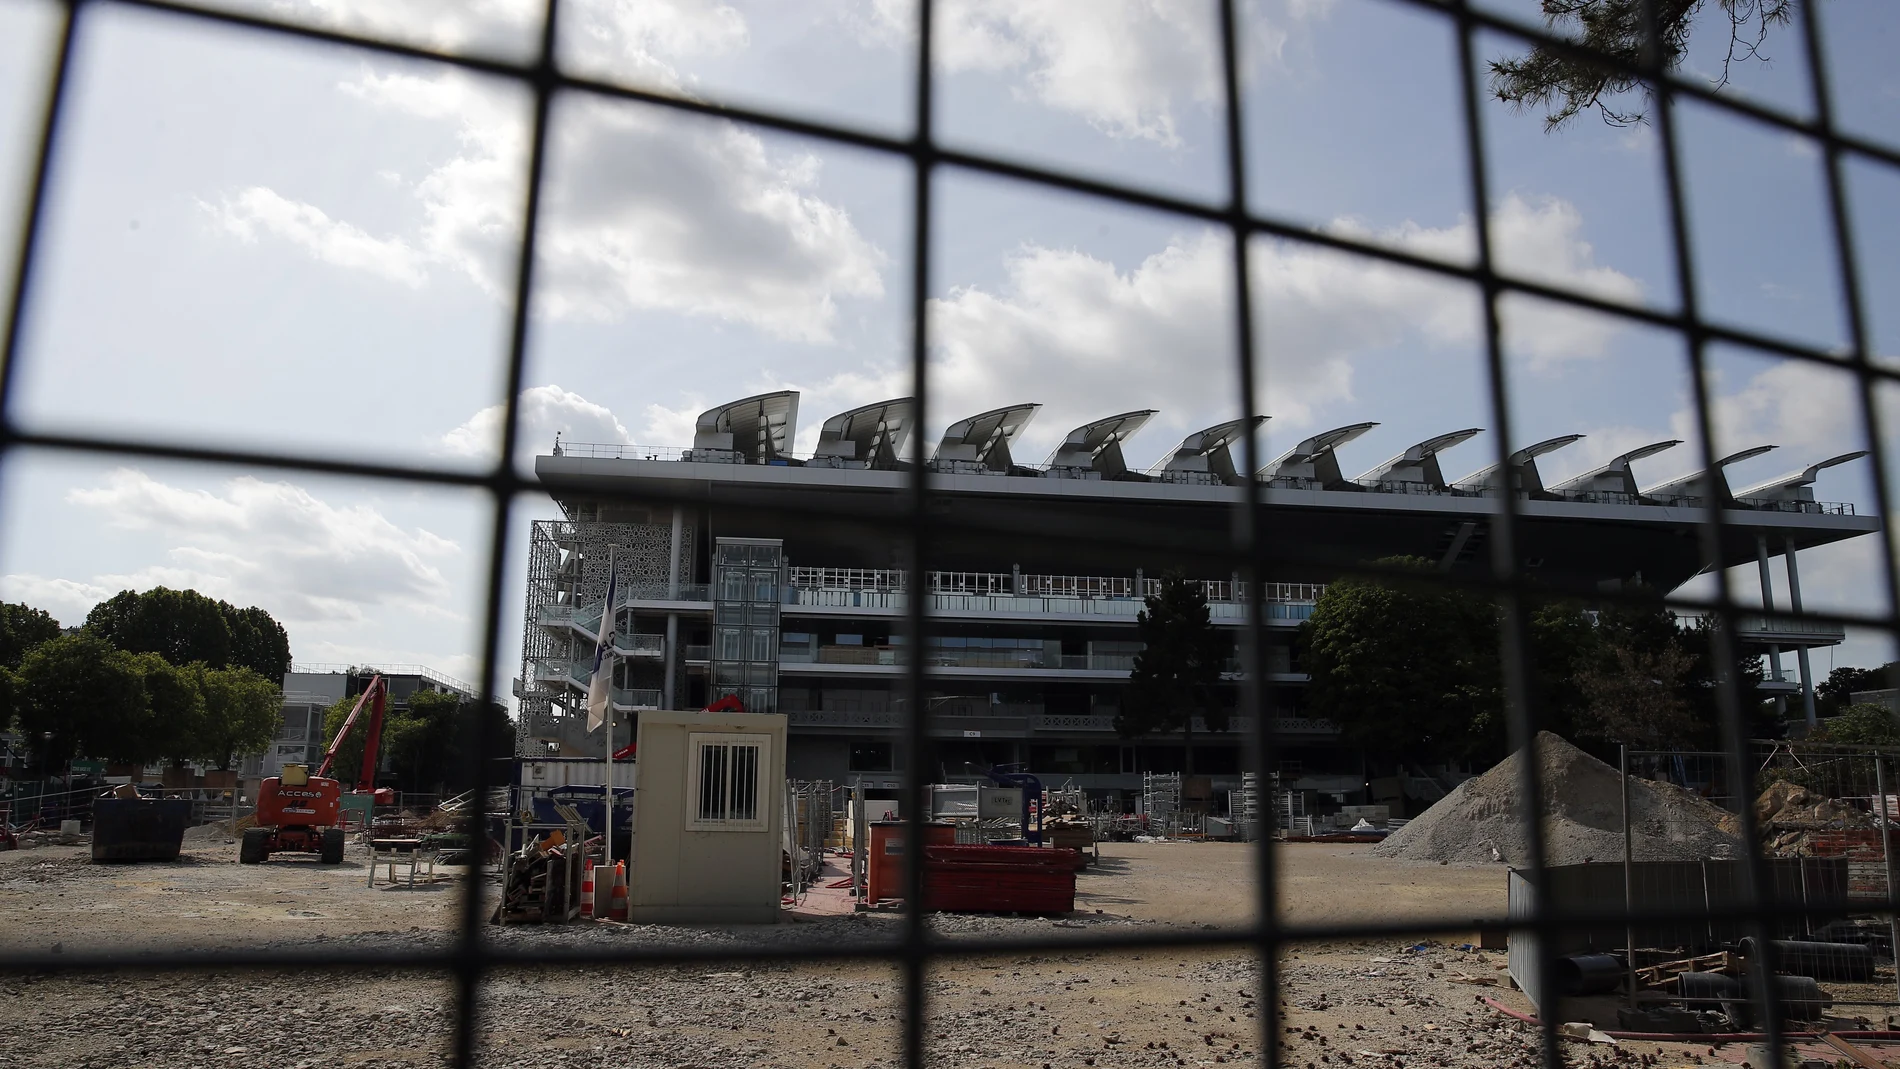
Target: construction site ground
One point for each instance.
(1394, 1002)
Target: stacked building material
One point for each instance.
(1000, 879)
(541, 883)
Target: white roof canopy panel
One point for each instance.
(1315, 458)
(1098, 445)
(760, 428)
(873, 434)
(1523, 467)
(1796, 485)
(1419, 464)
(1207, 450)
(1698, 482)
(1614, 477)
(985, 437)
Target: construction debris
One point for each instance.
(1484, 818)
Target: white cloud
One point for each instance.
(1073, 331)
(67, 600)
(270, 544)
(1812, 412)
(1126, 66)
(643, 211)
(250, 211)
(544, 412)
(642, 40)
(651, 211)
(1088, 339)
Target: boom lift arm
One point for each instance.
(374, 695)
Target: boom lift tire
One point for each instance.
(332, 853)
(254, 847)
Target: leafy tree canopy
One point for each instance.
(1176, 674)
(184, 626)
(426, 739)
(23, 627)
(79, 695)
(242, 713)
(178, 719)
(1404, 666)
(1835, 693)
(1620, 29)
(1864, 724)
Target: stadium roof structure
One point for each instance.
(982, 441)
(1614, 477)
(1206, 455)
(1418, 466)
(1314, 461)
(1080, 514)
(1523, 475)
(1097, 447)
(755, 430)
(1796, 486)
(1697, 483)
(870, 436)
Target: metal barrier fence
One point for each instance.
(1252, 552)
(1824, 820)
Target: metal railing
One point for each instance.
(430, 674)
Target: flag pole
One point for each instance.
(606, 637)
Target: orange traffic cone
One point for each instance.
(587, 892)
(619, 911)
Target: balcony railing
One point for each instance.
(1758, 627)
(1008, 659)
(654, 645)
(1006, 584)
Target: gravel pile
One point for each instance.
(1484, 818)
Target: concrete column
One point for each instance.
(670, 662)
(1801, 654)
(1768, 609)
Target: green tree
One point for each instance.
(1176, 675)
(1640, 698)
(1835, 693)
(78, 695)
(181, 626)
(184, 626)
(258, 641)
(1565, 642)
(1702, 686)
(177, 706)
(1864, 724)
(242, 713)
(23, 627)
(1565, 87)
(1405, 667)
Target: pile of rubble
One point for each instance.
(1485, 818)
(1795, 821)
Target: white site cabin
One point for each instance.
(707, 818)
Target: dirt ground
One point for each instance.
(1392, 1003)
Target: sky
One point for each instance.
(266, 243)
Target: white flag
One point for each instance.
(601, 682)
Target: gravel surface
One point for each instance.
(1069, 1009)
(1484, 818)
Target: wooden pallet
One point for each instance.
(1721, 961)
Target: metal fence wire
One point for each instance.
(1754, 907)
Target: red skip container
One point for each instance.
(1000, 879)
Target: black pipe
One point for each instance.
(1848, 963)
(1589, 974)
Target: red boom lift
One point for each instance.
(302, 813)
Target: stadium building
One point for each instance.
(744, 569)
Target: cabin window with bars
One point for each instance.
(726, 792)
